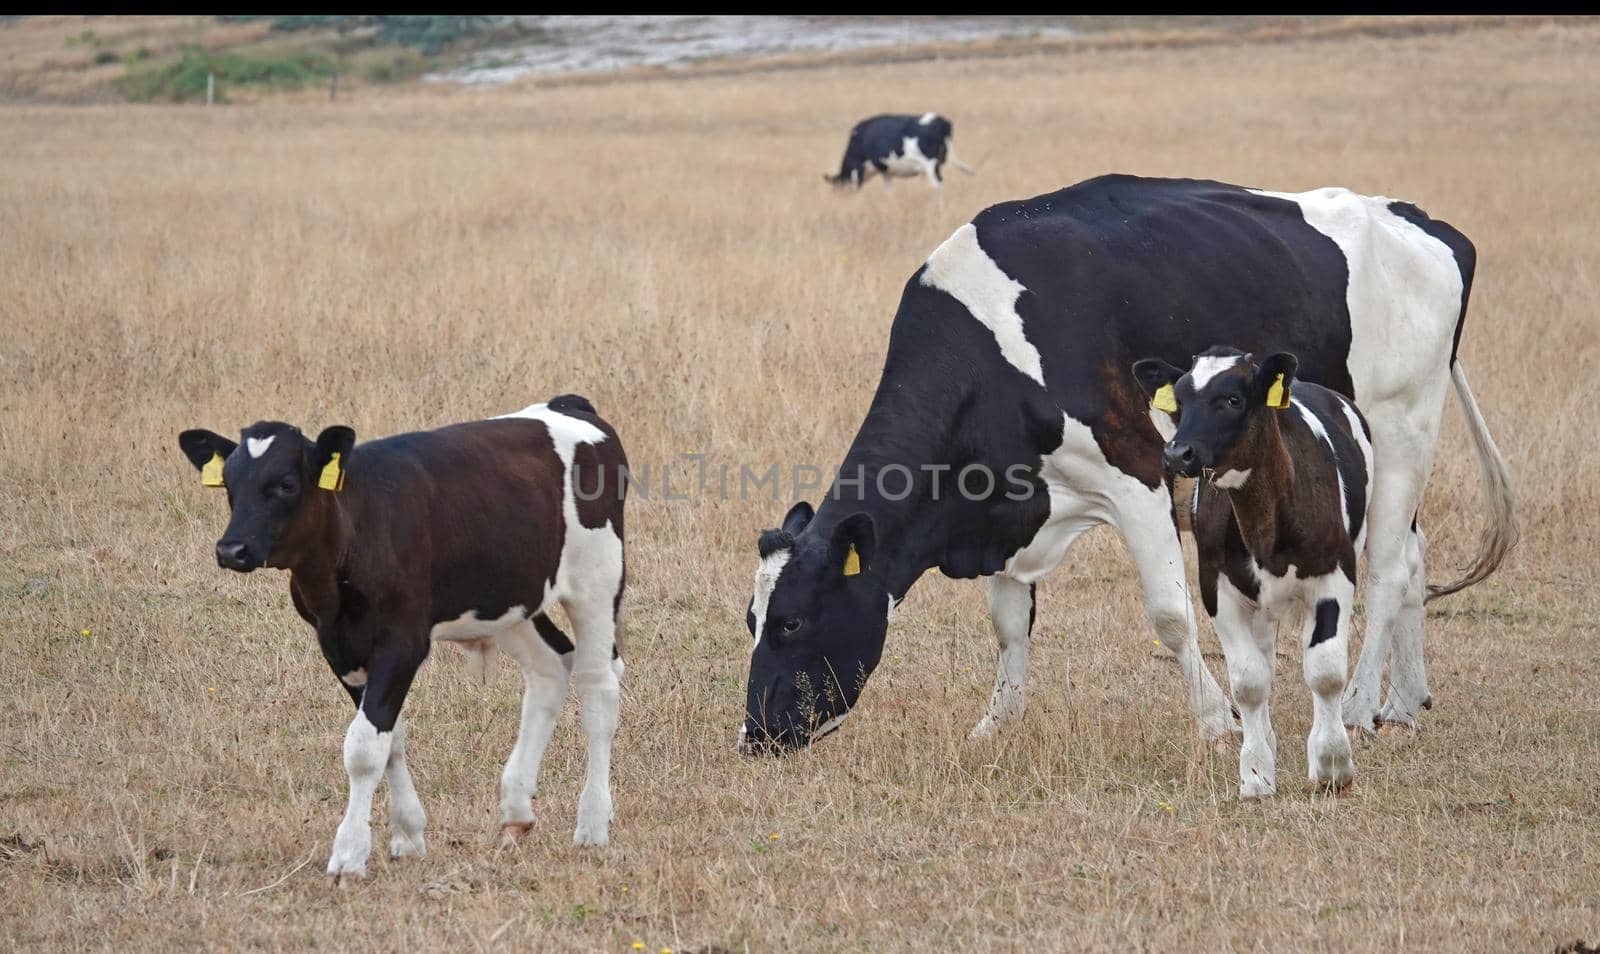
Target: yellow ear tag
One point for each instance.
(211, 473)
(1165, 399)
(852, 563)
(1278, 395)
(332, 477)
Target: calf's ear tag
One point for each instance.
(211, 473)
(332, 477)
(1165, 399)
(852, 562)
(1278, 395)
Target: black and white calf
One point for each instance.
(898, 146)
(1009, 357)
(469, 534)
(1279, 516)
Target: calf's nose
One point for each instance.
(1180, 458)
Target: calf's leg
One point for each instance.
(368, 744)
(1325, 658)
(1248, 642)
(545, 675)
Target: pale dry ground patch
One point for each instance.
(170, 737)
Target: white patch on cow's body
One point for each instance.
(1315, 423)
(927, 118)
(1231, 479)
(258, 445)
(963, 270)
(767, 573)
(909, 161)
(355, 678)
(1085, 491)
(1209, 366)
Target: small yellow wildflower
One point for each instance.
(638, 945)
(666, 950)
(774, 836)
(625, 887)
(86, 632)
(1167, 806)
(211, 688)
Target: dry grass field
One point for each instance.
(170, 737)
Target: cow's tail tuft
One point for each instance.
(1500, 530)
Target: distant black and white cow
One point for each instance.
(1009, 357)
(1279, 516)
(470, 534)
(898, 146)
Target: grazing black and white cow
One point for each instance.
(1279, 515)
(469, 533)
(1009, 357)
(898, 146)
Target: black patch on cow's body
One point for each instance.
(1461, 248)
(875, 141)
(572, 403)
(1327, 622)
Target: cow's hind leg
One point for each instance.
(545, 656)
(1402, 458)
(1011, 609)
(593, 608)
(1408, 682)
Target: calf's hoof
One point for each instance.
(512, 831)
(591, 835)
(344, 879)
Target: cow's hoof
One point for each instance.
(511, 832)
(590, 835)
(344, 879)
(401, 846)
(1397, 731)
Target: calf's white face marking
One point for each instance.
(963, 270)
(1210, 366)
(258, 445)
(767, 572)
(355, 678)
(1232, 479)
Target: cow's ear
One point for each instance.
(1273, 378)
(798, 517)
(853, 544)
(332, 455)
(206, 451)
(1155, 379)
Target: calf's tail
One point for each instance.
(1500, 530)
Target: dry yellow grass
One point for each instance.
(170, 736)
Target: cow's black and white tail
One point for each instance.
(1500, 530)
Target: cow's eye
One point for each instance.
(1235, 401)
(792, 624)
(286, 486)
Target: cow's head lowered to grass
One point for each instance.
(276, 482)
(819, 615)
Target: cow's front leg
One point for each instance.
(368, 746)
(1011, 610)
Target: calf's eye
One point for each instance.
(1235, 401)
(791, 624)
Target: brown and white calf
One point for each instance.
(1279, 515)
(469, 533)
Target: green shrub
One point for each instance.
(185, 78)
